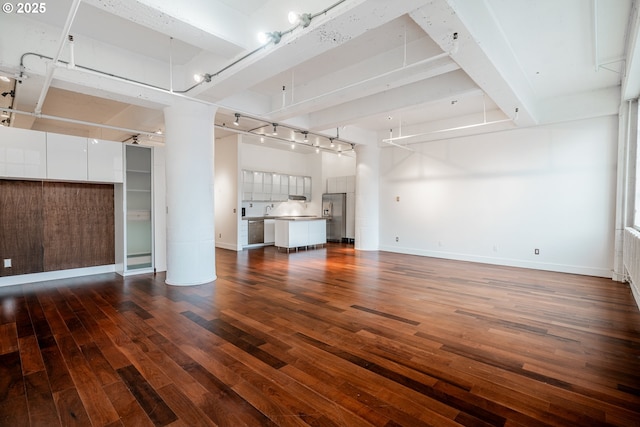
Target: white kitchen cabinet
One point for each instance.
(66, 157)
(280, 189)
(300, 233)
(244, 232)
(269, 231)
(317, 232)
(23, 153)
(273, 187)
(247, 185)
(105, 161)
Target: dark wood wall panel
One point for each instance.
(21, 226)
(78, 225)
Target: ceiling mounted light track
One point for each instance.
(267, 129)
(275, 37)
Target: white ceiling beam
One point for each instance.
(348, 21)
(363, 88)
(483, 52)
(443, 87)
(209, 25)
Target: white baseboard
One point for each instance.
(560, 268)
(55, 275)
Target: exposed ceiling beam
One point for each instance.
(209, 25)
(443, 87)
(346, 22)
(483, 53)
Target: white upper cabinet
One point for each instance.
(23, 153)
(30, 154)
(105, 160)
(66, 157)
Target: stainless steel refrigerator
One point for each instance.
(334, 210)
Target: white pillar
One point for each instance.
(367, 197)
(189, 141)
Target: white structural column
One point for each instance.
(189, 140)
(367, 196)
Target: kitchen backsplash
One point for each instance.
(290, 208)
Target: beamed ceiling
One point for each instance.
(362, 70)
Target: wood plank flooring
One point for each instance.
(324, 337)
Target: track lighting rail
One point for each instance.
(274, 135)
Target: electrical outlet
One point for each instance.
(7, 263)
(397, 198)
(536, 251)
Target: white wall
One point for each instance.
(496, 197)
(226, 201)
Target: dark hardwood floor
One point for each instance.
(324, 337)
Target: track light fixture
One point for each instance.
(269, 130)
(199, 78)
(302, 19)
(10, 93)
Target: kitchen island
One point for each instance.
(300, 232)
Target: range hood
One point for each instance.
(295, 197)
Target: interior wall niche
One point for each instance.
(49, 226)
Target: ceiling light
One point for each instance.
(332, 144)
(10, 93)
(199, 78)
(317, 150)
(303, 19)
(237, 120)
(262, 139)
(306, 137)
(275, 129)
(293, 145)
